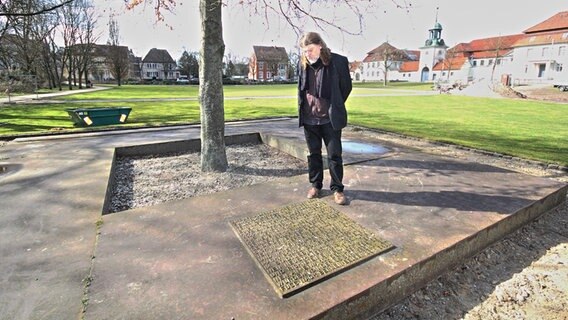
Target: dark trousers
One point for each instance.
(332, 139)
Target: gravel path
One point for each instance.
(523, 276)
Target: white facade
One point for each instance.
(538, 55)
(541, 63)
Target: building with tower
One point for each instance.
(432, 53)
(537, 55)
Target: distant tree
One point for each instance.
(86, 39)
(498, 44)
(189, 64)
(294, 59)
(390, 57)
(241, 66)
(117, 58)
(449, 61)
(230, 70)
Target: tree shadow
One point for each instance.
(459, 200)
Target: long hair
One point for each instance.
(314, 38)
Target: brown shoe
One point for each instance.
(339, 198)
(313, 193)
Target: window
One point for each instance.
(373, 65)
(544, 52)
(482, 62)
(529, 52)
(475, 63)
(433, 76)
(497, 61)
(451, 73)
(443, 73)
(562, 51)
(261, 65)
(489, 62)
(559, 67)
(526, 69)
(403, 75)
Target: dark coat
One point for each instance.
(340, 89)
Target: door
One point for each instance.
(541, 70)
(425, 74)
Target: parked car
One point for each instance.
(183, 80)
(562, 86)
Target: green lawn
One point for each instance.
(528, 129)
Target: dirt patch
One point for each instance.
(543, 93)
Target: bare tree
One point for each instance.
(117, 56)
(498, 44)
(213, 156)
(86, 40)
(294, 59)
(69, 29)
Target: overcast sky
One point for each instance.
(462, 21)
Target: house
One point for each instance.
(101, 61)
(159, 65)
(385, 59)
(268, 64)
(135, 70)
(355, 70)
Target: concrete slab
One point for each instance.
(182, 260)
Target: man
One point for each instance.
(323, 87)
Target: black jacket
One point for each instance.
(340, 89)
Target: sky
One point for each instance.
(462, 21)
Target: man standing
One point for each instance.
(323, 87)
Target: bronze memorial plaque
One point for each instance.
(299, 245)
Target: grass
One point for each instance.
(528, 129)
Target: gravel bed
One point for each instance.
(149, 180)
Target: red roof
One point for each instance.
(409, 66)
(489, 54)
(540, 39)
(557, 22)
(392, 53)
(447, 64)
(494, 43)
(353, 66)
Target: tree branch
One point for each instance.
(35, 13)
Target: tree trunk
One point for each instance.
(213, 156)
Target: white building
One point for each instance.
(158, 64)
(542, 55)
(538, 55)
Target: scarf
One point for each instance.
(322, 81)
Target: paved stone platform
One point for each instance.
(181, 260)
